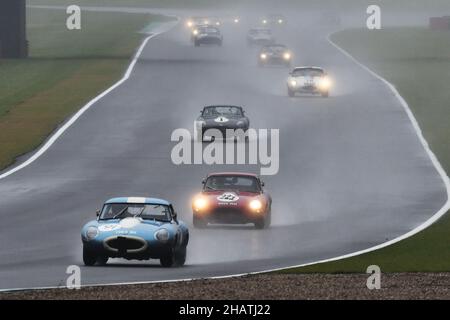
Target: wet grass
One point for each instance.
(66, 69)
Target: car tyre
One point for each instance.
(102, 261)
(260, 224)
(168, 260)
(89, 258)
(291, 93)
(180, 256)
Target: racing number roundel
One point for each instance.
(228, 197)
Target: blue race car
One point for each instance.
(135, 228)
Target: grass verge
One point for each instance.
(66, 69)
(416, 61)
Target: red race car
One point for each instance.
(232, 198)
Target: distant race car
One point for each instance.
(213, 21)
(135, 228)
(273, 20)
(207, 35)
(194, 22)
(312, 80)
(232, 198)
(275, 54)
(260, 36)
(221, 118)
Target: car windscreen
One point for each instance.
(209, 30)
(277, 48)
(210, 112)
(264, 31)
(145, 211)
(308, 72)
(232, 182)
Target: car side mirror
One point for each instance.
(175, 216)
(97, 213)
(203, 181)
(262, 184)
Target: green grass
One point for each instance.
(66, 69)
(417, 62)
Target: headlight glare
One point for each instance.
(293, 82)
(255, 205)
(287, 55)
(325, 83)
(263, 56)
(200, 203)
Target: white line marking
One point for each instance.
(416, 230)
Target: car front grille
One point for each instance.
(125, 244)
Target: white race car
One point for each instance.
(311, 80)
(260, 36)
(207, 35)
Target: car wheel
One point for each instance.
(168, 260)
(102, 261)
(260, 224)
(89, 258)
(291, 93)
(199, 223)
(180, 256)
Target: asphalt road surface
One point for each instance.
(353, 173)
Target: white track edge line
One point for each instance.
(416, 230)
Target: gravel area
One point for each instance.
(267, 286)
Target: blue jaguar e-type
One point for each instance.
(135, 228)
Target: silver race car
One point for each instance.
(221, 118)
(274, 19)
(275, 54)
(207, 35)
(311, 80)
(260, 36)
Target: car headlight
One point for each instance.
(292, 82)
(263, 56)
(287, 56)
(236, 20)
(280, 21)
(325, 83)
(195, 32)
(200, 203)
(189, 24)
(91, 233)
(218, 23)
(264, 21)
(255, 205)
(162, 235)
